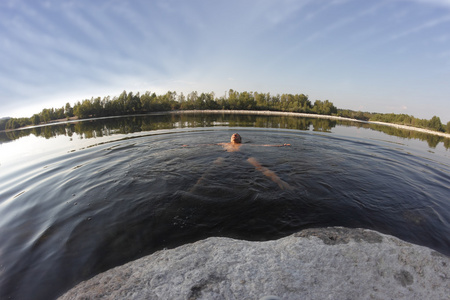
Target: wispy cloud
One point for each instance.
(443, 3)
(343, 21)
(277, 12)
(338, 49)
(323, 33)
(424, 26)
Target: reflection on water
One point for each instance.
(97, 195)
(432, 140)
(124, 125)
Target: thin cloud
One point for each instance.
(329, 5)
(83, 23)
(424, 26)
(324, 32)
(276, 12)
(343, 21)
(442, 3)
(338, 50)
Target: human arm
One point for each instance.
(284, 145)
(267, 145)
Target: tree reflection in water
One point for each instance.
(92, 128)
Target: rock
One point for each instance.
(327, 263)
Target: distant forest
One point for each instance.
(130, 103)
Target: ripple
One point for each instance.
(71, 215)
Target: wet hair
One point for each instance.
(238, 138)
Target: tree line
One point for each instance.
(110, 126)
(402, 119)
(131, 103)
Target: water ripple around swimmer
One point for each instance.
(80, 213)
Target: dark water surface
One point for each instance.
(78, 199)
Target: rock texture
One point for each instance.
(327, 263)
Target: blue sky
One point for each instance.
(369, 55)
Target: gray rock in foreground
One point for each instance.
(327, 263)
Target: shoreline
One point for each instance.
(306, 115)
(243, 112)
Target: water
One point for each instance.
(78, 199)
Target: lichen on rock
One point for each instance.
(327, 263)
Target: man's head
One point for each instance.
(236, 138)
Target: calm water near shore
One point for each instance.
(77, 199)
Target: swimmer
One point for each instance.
(235, 144)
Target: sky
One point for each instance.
(388, 56)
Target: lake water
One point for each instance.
(77, 199)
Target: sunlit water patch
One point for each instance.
(74, 205)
